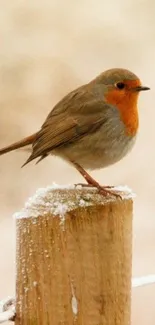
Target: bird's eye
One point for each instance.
(120, 85)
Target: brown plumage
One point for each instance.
(93, 126)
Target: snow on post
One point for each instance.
(74, 250)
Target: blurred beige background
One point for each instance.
(48, 48)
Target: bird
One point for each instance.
(92, 127)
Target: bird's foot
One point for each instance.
(91, 185)
(103, 190)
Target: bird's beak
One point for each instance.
(141, 88)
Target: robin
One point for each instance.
(92, 127)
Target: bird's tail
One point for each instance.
(24, 142)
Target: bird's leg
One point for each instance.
(92, 183)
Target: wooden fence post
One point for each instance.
(74, 252)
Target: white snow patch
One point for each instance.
(62, 187)
(39, 200)
(50, 201)
(74, 301)
(144, 280)
(82, 203)
(21, 214)
(61, 210)
(126, 189)
(7, 309)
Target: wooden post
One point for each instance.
(74, 250)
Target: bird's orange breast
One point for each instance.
(126, 103)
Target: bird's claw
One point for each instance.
(103, 190)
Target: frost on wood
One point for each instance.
(58, 199)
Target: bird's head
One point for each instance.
(121, 86)
(121, 89)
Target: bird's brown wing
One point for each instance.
(62, 129)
